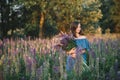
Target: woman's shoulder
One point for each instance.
(81, 37)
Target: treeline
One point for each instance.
(45, 18)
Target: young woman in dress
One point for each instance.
(80, 52)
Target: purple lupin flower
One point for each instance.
(39, 71)
(29, 60)
(28, 63)
(64, 41)
(9, 62)
(92, 53)
(16, 51)
(56, 69)
(57, 47)
(33, 51)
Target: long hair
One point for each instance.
(74, 26)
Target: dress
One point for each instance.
(81, 44)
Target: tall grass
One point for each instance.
(25, 59)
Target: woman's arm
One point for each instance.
(72, 51)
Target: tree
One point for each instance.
(91, 14)
(116, 15)
(10, 17)
(4, 10)
(106, 22)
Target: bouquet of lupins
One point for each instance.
(67, 42)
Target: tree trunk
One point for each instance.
(42, 18)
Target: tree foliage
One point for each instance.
(91, 14)
(4, 22)
(10, 18)
(116, 15)
(48, 16)
(106, 22)
(63, 12)
(60, 12)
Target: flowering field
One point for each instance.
(40, 59)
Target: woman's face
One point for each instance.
(78, 29)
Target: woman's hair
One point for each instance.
(74, 26)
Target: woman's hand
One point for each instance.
(82, 51)
(72, 52)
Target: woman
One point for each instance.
(81, 40)
(80, 51)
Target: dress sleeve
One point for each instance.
(83, 44)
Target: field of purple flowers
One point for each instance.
(40, 59)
